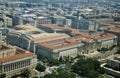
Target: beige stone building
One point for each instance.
(113, 28)
(28, 36)
(6, 51)
(100, 39)
(112, 67)
(57, 29)
(59, 48)
(13, 60)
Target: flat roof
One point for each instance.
(102, 35)
(19, 53)
(113, 27)
(60, 43)
(17, 56)
(47, 36)
(5, 47)
(57, 27)
(25, 27)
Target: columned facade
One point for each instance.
(13, 60)
(14, 67)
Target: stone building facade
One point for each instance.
(15, 59)
(59, 48)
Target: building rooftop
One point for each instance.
(82, 38)
(26, 27)
(47, 36)
(18, 53)
(17, 56)
(5, 47)
(96, 35)
(29, 15)
(113, 27)
(60, 43)
(103, 36)
(57, 27)
(42, 17)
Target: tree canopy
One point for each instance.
(25, 72)
(87, 67)
(40, 67)
(2, 75)
(61, 73)
(53, 62)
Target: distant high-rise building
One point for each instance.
(17, 20)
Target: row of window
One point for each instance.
(16, 65)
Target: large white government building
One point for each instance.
(59, 48)
(50, 45)
(98, 40)
(27, 36)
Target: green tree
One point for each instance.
(96, 65)
(15, 76)
(104, 76)
(25, 72)
(61, 59)
(40, 67)
(35, 77)
(118, 50)
(87, 67)
(61, 73)
(2, 75)
(93, 74)
(45, 60)
(53, 62)
(53, 75)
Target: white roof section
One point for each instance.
(29, 15)
(41, 17)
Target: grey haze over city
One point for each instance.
(59, 38)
